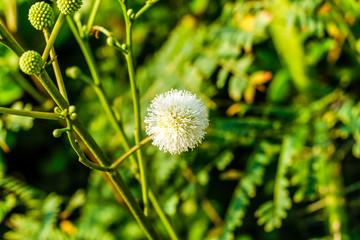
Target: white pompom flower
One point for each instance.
(176, 121)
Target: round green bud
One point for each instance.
(130, 12)
(73, 116)
(111, 41)
(31, 62)
(72, 109)
(57, 133)
(41, 16)
(69, 6)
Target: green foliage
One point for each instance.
(10, 91)
(280, 158)
(271, 213)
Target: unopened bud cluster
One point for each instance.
(69, 6)
(41, 16)
(31, 62)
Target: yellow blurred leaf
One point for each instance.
(231, 174)
(333, 30)
(349, 18)
(260, 77)
(4, 146)
(234, 109)
(68, 227)
(324, 9)
(249, 94)
(248, 23)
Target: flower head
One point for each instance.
(31, 62)
(67, 7)
(176, 120)
(41, 15)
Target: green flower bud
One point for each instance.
(31, 62)
(69, 6)
(72, 109)
(73, 116)
(57, 133)
(41, 16)
(130, 12)
(111, 41)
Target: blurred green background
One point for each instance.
(280, 159)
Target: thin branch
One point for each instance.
(144, 8)
(32, 114)
(131, 151)
(54, 33)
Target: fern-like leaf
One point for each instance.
(273, 212)
(247, 188)
(25, 192)
(7, 205)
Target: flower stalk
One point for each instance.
(131, 151)
(56, 67)
(129, 18)
(52, 38)
(145, 7)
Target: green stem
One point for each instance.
(97, 86)
(54, 33)
(144, 8)
(131, 151)
(90, 60)
(115, 177)
(162, 216)
(9, 42)
(136, 104)
(33, 114)
(82, 158)
(117, 180)
(92, 16)
(56, 67)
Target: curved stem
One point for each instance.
(118, 182)
(82, 158)
(32, 114)
(54, 33)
